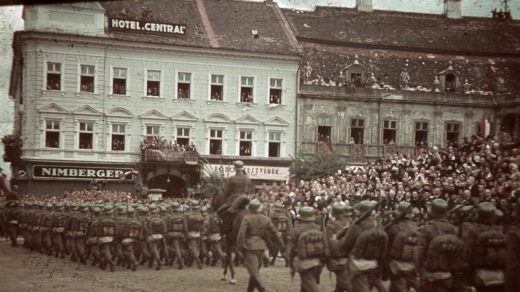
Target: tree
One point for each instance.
(319, 165)
(214, 179)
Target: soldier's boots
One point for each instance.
(251, 285)
(259, 284)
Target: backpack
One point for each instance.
(281, 223)
(60, 220)
(312, 244)
(445, 252)
(47, 221)
(490, 249)
(157, 226)
(371, 244)
(133, 229)
(404, 246)
(82, 224)
(176, 224)
(195, 223)
(108, 227)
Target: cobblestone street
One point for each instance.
(23, 270)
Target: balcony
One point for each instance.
(336, 92)
(187, 157)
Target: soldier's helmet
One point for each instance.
(60, 207)
(84, 208)
(486, 213)
(108, 210)
(130, 212)
(348, 210)
(404, 207)
(204, 209)
(239, 165)
(254, 206)
(13, 204)
(74, 207)
(163, 209)
(153, 209)
(176, 206)
(364, 206)
(417, 216)
(195, 204)
(306, 214)
(96, 211)
(338, 210)
(49, 206)
(278, 207)
(121, 210)
(437, 209)
(67, 206)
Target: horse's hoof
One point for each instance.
(223, 278)
(232, 281)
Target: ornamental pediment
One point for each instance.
(53, 109)
(154, 115)
(247, 119)
(184, 117)
(217, 118)
(276, 121)
(119, 112)
(86, 110)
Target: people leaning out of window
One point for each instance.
(156, 143)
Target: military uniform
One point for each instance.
(435, 280)
(214, 238)
(402, 241)
(58, 230)
(195, 223)
(13, 215)
(235, 187)
(176, 228)
(512, 276)
(337, 262)
(92, 236)
(46, 225)
(155, 236)
(106, 232)
(283, 225)
(364, 264)
(144, 248)
(253, 232)
(131, 234)
(79, 227)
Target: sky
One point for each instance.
(10, 21)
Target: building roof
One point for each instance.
(209, 24)
(413, 31)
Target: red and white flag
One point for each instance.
(124, 175)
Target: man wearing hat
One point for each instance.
(237, 185)
(79, 226)
(195, 223)
(58, 230)
(307, 266)
(13, 212)
(92, 236)
(155, 231)
(106, 232)
(283, 224)
(177, 227)
(251, 242)
(132, 233)
(402, 239)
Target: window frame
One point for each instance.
(221, 139)
(427, 130)
(269, 141)
(112, 77)
(48, 119)
(211, 84)
(389, 121)
(250, 140)
(46, 68)
(94, 78)
(270, 87)
(178, 81)
(118, 133)
(357, 126)
(82, 131)
(182, 129)
(253, 86)
(161, 78)
(446, 130)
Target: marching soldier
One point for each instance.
(307, 248)
(144, 245)
(337, 262)
(204, 252)
(79, 225)
(195, 223)
(58, 230)
(132, 233)
(12, 217)
(92, 236)
(512, 275)
(283, 225)
(402, 242)
(214, 238)
(106, 232)
(46, 225)
(120, 219)
(254, 230)
(440, 251)
(486, 251)
(176, 228)
(365, 243)
(155, 232)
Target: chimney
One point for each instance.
(364, 5)
(452, 8)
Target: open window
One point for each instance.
(118, 137)
(52, 134)
(275, 91)
(274, 146)
(215, 142)
(246, 89)
(452, 133)
(53, 76)
(421, 134)
(183, 137)
(217, 87)
(357, 130)
(324, 129)
(153, 83)
(86, 135)
(245, 143)
(119, 81)
(389, 132)
(183, 85)
(87, 78)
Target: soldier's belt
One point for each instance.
(36, 228)
(215, 237)
(22, 225)
(13, 222)
(92, 240)
(43, 229)
(193, 234)
(106, 239)
(127, 241)
(78, 233)
(58, 229)
(238, 194)
(155, 237)
(173, 234)
(254, 237)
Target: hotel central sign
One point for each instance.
(140, 26)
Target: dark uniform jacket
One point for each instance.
(512, 276)
(349, 240)
(236, 185)
(426, 235)
(253, 233)
(297, 231)
(332, 229)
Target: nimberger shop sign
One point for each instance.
(51, 172)
(256, 172)
(146, 26)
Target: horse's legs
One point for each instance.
(230, 248)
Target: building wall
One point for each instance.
(136, 109)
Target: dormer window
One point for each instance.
(449, 80)
(355, 74)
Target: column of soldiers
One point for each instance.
(110, 235)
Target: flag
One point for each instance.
(124, 175)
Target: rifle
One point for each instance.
(400, 216)
(360, 218)
(459, 206)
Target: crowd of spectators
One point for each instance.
(156, 143)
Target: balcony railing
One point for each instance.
(406, 95)
(188, 157)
